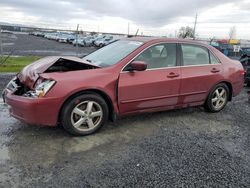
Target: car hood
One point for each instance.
(30, 73)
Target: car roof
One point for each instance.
(162, 39)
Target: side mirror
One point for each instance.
(138, 66)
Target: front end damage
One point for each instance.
(25, 94)
(30, 83)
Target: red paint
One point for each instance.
(130, 92)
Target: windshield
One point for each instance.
(113, 53)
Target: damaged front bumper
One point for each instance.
(36, 111)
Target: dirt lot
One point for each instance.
(24, 44)
(181, 148)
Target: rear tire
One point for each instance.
(217, 98)
(84, 114)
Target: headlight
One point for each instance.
(42, 87)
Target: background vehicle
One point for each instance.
(71, 38)
(245, 52)
(126, 77)
(103, 41)
(245, 61)
(63, 38)
(88, 40)
(79, 41)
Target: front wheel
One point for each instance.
(217, 98)
(84, 115)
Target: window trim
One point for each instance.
(197, 45)
(177, 64)
(217, 59)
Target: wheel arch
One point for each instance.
(230, 87)
(106, 97)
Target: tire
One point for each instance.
(217, 98)
(84, 114)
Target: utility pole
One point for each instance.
(195, 23)
(136, 32)
(1, 45)
(128, 28)
(77, 39)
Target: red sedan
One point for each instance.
(126, 77)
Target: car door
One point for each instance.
(200, 71)
(156, 87)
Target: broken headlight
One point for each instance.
(41, 89)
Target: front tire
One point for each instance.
(84, 115)
(217, 98)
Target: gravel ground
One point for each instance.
(24, 44)
(180, 148)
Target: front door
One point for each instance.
(156, 87)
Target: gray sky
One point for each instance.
(157, 17)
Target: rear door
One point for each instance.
(200, 70)
(156, 87)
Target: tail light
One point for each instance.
(242, 72)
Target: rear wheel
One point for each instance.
(84, 115)
(217, 98)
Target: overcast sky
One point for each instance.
(157, 17)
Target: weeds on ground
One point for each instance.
(16, 64)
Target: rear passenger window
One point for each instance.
(213, 59)
(194, 55)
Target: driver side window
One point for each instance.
(159, 56)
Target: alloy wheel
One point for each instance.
(219, 98)
(86, 115)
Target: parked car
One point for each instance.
(99, 37)
(245, 61)
(245, 52)
(247, 76)
(71, 38)
(103, 41)
(38, 33)
(79, 41)
(51, 36)
(63, 38)
(88, 41)
(126, 77)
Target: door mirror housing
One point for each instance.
(138, 66)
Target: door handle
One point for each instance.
(214, 70)
(172, 75)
